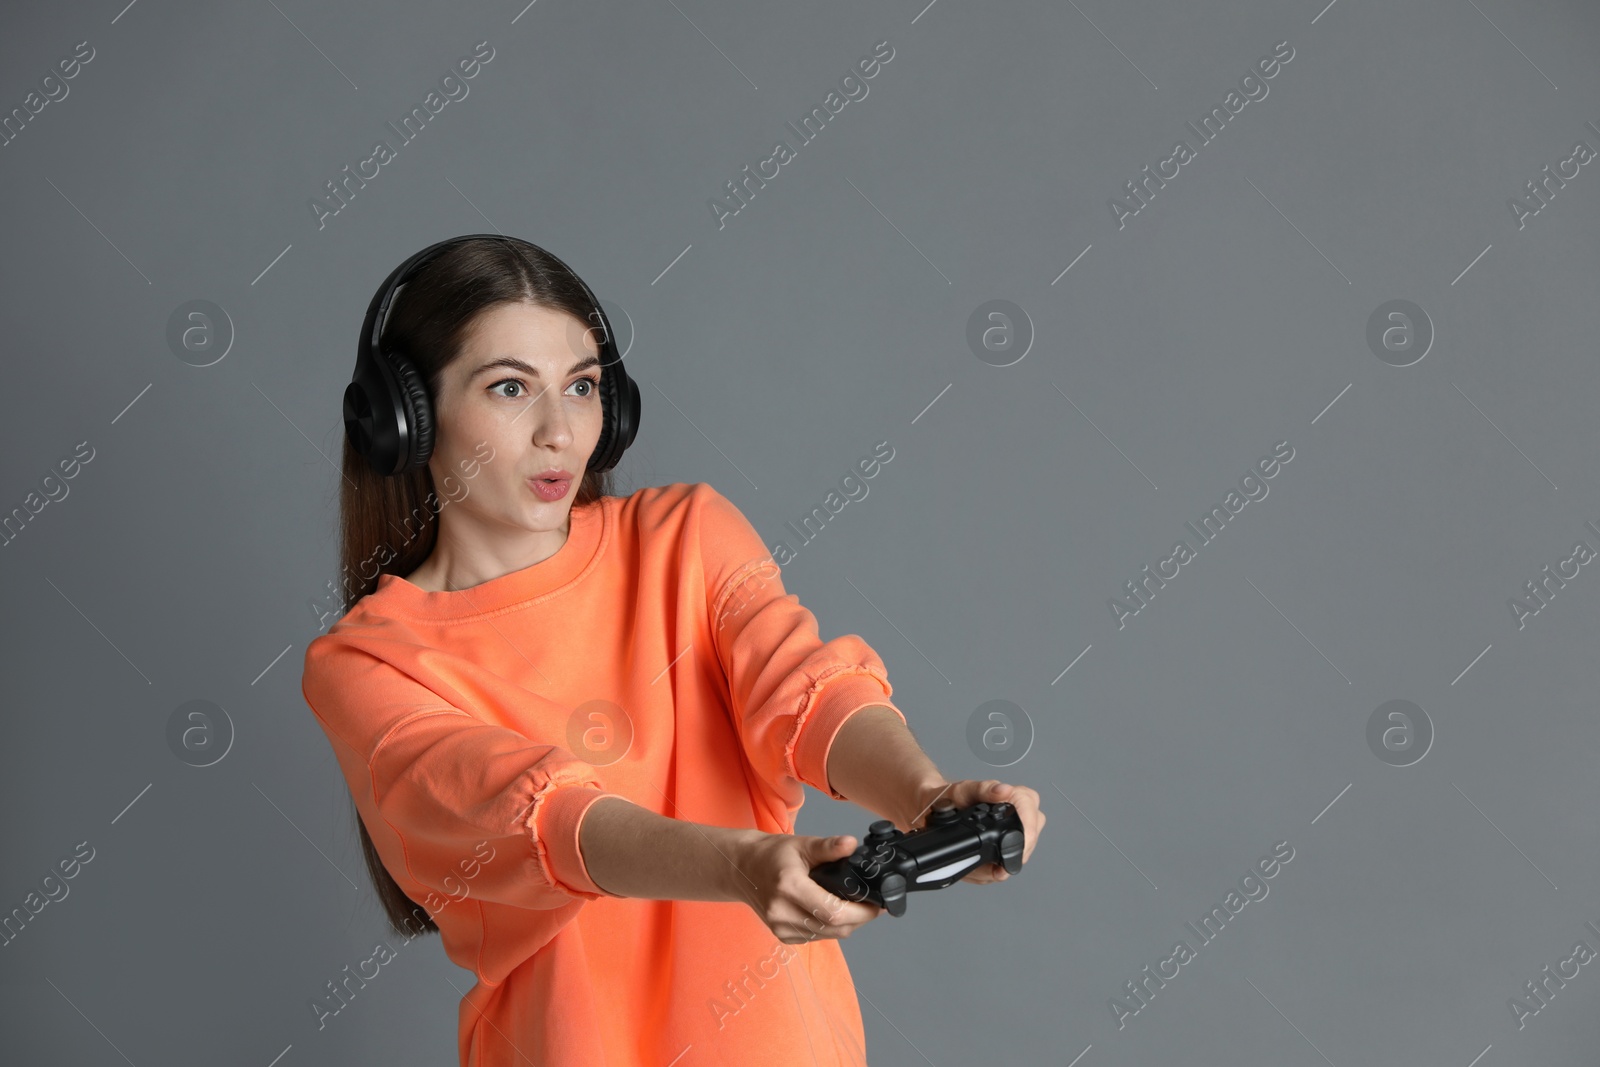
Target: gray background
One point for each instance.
(832, 313)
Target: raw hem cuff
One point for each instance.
(829, 702)
(553, 824)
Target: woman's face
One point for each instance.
(526, 385)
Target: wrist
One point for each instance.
(919, 799)
(736, 844)
(874, 761)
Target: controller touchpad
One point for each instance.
(949, 869)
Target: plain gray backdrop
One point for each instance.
(1035, 474)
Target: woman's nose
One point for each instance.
(550, 423)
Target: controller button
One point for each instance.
(943, 812)
(893, 891)
(1011, 845)
(981, 808)
(882, 830)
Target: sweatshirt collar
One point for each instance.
(589, 529)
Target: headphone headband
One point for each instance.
(388, 415)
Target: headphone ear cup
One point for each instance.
(619, 396)
(419, 410)
(601, 459)
(372, 419)
(628, 410)
(358, 420)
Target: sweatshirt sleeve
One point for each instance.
(790, 690)
(437, 786)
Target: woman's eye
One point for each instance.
(591, 383)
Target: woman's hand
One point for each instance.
(970, 791)
(773, 875)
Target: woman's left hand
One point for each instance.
(970, 791)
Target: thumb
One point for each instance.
(827, 848)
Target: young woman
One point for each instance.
(575, 726)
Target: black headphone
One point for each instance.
(388, 417)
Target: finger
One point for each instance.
(981, 874)
(989, 790)
(992, 791)
(839, 922)
(853, 913)
(997, 872)
(846, 929)
(824, 849)
(1035, 829)
(1033, 840)
(804, 933)
(823, 907)
(1026, 801)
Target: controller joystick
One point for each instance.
(953, 841)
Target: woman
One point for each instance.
(575, 725)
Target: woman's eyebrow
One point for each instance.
(516, 364)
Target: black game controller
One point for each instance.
(889, 864)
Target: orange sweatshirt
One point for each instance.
(656, 657)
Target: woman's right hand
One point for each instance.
(773, 876)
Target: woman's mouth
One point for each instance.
(550, 489)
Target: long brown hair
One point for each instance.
(395, 520)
